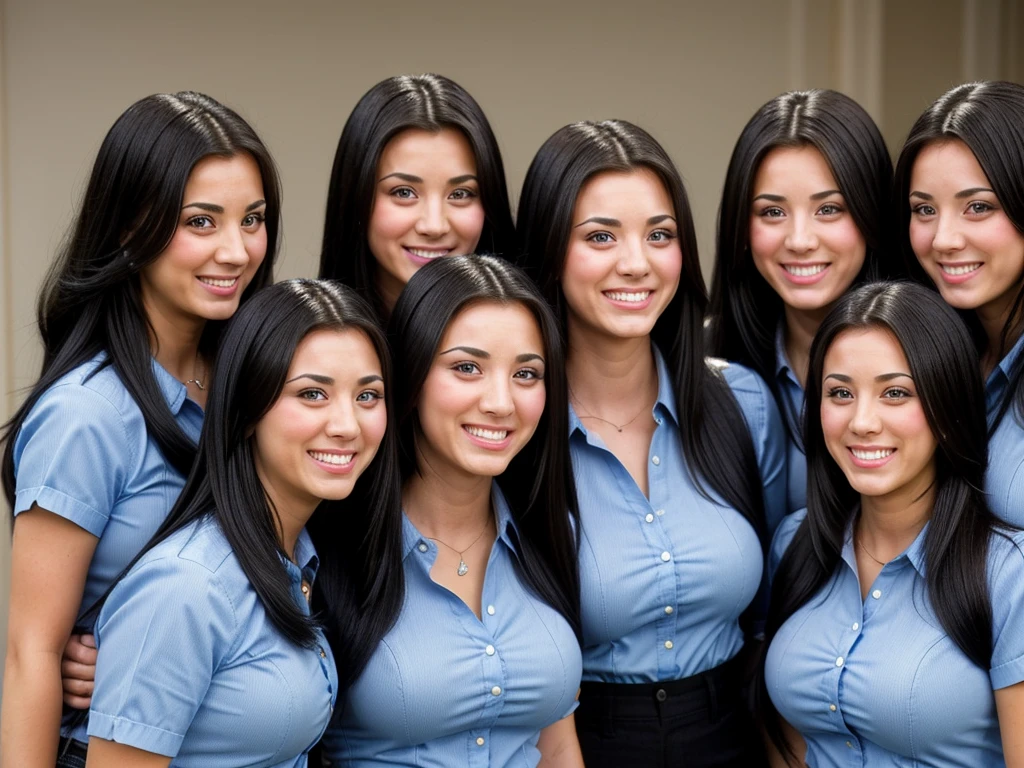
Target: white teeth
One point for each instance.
(872, 455)
(427, 254)
(623, 296)
(219, 283)
(805, 271)
(340, 459)
(960, 269)
(488, 434)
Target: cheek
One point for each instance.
(388, 222)
(581, 271)
(911, 425)
(834, 421)
(920, 238)
(669, 264)
(765, 241)
(530, 406)
(1002, 239)
(469, 224)
(847, 243)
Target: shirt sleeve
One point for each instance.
(1006, 592)
(783, 538)
(162, 634)
(72, 457)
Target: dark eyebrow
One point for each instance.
(462, 179)
(840, 377)
(404, 177)
(527, 357)
(658, 219)
(369, 380)
(469, 351)
(972, 191)
(600, 220)
(881, 377)
(769, 198)
(826, 193)
(210, 207)
(922, 195)
(318, 378)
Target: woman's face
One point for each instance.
(327, 423)
(960, 232)
(484, 394)
(872, 418)
(219, 243)
(803, 239)
(426, 203)
(623, 260)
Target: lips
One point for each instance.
(805, 274)
(631, 297)
(420, 255)
(219, 282)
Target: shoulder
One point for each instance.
(783, 537)
(199, 547)
(1005, 559)
(754, 397)
(89, 392)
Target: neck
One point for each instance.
(389, 289)
(444, 506)
(610, 371)
(174, 343)
(888, 524)
(801, 325)
(290, 516)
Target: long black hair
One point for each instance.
(989, 118)
(429, 103)
(358, 539)
(744, 310)
(91, 300)
(716, 442)
(538, 483)
(944, 366)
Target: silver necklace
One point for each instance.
(196, 380)
(618, 427)
(463, 569)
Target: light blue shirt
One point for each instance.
(792, 395)
(83, 453)
(191, 667)
(445, 688)
(664, 579)
(1004, 481)
(877, 681)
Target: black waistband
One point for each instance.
(722, 677)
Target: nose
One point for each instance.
(948, 237)
(341, 420)
(231, 249)
(496, 398)
(865, 419)
(801, 237)
(633, 261)
(433, 221)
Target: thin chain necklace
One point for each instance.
(463, 569)
(196, 380)
(588, 415)
(860, 543)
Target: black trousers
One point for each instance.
(696, 722)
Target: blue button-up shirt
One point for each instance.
(877, 681)
(446, 688)
(1004, 481)
(792, 395)
(191, 667)
(665, 578)
(83, 453)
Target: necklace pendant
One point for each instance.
(463, 568)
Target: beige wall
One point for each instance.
(690, 71)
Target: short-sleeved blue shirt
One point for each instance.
(83, 452)
(665, 578)
(445, 688)
(1004, 480)
(877, 681)
(191, 667)
(792, 395)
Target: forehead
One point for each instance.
(217, 176)
(623, 191)
(335, 353)
(794, 167)
(947, 163)
(865, 353)
(493, 326)
(415, 150)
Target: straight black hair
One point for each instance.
(989, 118)
(745, 311)
(538, 483)
(358, 539)
(716, 442)
(426, 102)
(944, 366)
(91, 300)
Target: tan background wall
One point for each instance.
(690, 71)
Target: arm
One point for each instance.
(1010, 710)
(50, 557)
(78, 671)
(558, 745)
(110, 754)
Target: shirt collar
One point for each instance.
(502, 516)
(306, 561)
(914, 554)
(173, 390)
(1002, 372)
(782, 366)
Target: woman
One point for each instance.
(960, 192)
(897, 622)
(482, 666)
(679, 465)
(178, 225)
(417, 175)
(803, 218)
(296, 415)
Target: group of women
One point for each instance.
(546, 505)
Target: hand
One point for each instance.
(78, 670)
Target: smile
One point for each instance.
(630, 297)
(423, 255)
(219, 283)
(497, 435)
(872, 455)
(960, 269)
(809, 271)
(338, 459)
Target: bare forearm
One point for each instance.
(30, 717)
(559, 747)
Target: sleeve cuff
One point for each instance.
(62, 505)
(1005, 675)
(144, 737)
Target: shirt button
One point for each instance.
(856, 626)
(876, 594)
(649, 518)
(839, 661)
(849, 744)
(496, 690)
(490, 610)
(659, 512)
(655, 460)
(832, 707)
(422, 547)
(479, 741)
(669, 609)
(668, 644)
(489, 650)
(665, 556)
